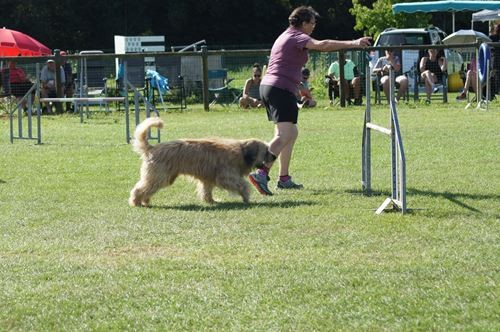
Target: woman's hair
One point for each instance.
(256, 66)
(302, 14)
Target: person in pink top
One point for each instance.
(19, 82)
(279, 88)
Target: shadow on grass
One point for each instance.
(2, 181)
(452, 197)
(233, 206)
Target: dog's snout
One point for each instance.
(271, 156)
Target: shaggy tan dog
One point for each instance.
(219, 163)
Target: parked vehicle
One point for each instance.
(418, 36)
(422, 36)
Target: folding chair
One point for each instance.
(91, 82)
(159, 83)
(170, 67)
(5, 82)
(6, 93)
(439, 87)
(419, 85)
(377, 86)
(218, 85)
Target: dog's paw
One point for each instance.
(134, 203)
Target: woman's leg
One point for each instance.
(472, 77)
(285, 135)
(384, 81)
(427, 82)
(402, 80)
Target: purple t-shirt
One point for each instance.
(288, 56)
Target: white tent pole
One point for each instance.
(453, 21)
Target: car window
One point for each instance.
(390, 39)
(404, 39)
(417, 39)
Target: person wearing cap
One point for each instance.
(48, 80)
(305, 97)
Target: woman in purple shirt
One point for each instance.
(279, 87)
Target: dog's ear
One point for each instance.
(250, 153)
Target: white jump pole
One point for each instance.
(398, 162)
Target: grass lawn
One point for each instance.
(75, 256)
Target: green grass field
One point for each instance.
(75, 256)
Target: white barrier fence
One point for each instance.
(398, 162)
(34, 110)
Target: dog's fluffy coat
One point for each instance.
(222, 163)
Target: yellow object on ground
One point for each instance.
(455, 83)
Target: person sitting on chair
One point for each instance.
(470, 80)
(382, 67)
(352, 81)
(305, 98)
(48, 79)
(471, 83)
(251, 93)
(19, 82)
(432, 68)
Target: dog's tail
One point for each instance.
(141, 144)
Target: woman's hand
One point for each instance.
(362, 42)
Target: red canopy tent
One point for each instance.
(14, 43)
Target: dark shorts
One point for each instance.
(281, 105)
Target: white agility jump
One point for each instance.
(77, 99)
(82, 100)
(34, 110)
(398, 162)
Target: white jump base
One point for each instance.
(84, 100)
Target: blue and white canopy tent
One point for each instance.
(446, 6)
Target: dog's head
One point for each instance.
(256, 153)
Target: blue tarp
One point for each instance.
(158, 81)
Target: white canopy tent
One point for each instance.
(485, 15)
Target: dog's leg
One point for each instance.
(205, 191)
(244, 191)
(140, 195)
(135, 198)
(145, 188)
(236, 185)
(142, 192)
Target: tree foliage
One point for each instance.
(373, 20)
(91, 24)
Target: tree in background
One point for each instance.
(379, 17)
(91, 24)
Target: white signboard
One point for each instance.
(409, 61)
